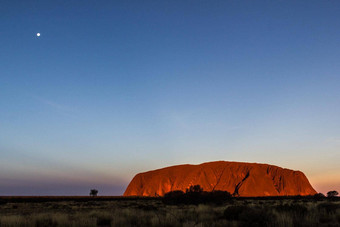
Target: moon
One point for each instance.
(38, 34)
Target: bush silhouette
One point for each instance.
(328, 207)
(194, 189)
(332, 194)
(232, 213)
(196, 195)
(319, 196)
(255, 216)
(297, 210)
(93, 192)
(176, 193)
(247, 215)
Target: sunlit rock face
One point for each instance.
(238, 178)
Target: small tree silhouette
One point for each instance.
(93, 192)
(332, 194)
(194, 189)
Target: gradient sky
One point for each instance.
(113, 88)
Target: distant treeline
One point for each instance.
(193, 195)
(196, 195)
(28, 199)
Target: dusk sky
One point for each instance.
(114, 88)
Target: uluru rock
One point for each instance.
(238, 178)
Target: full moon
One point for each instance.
(38, 34)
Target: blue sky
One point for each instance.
(111, 89)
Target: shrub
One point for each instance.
(248, 216)
(338, 218)
(332, 194)
(3, 202)
(329, 208)
(176, 193)
(173, 197)
(232, 213)
(104, 221)
(194, 189)
(147, 207)
(194, 195)
(45, 221)
(319, 196)
(295, 209)
(93, 192)
(256, 216)
(218, 197)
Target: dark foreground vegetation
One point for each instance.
(185, 210)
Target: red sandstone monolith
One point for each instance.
(238, 178)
